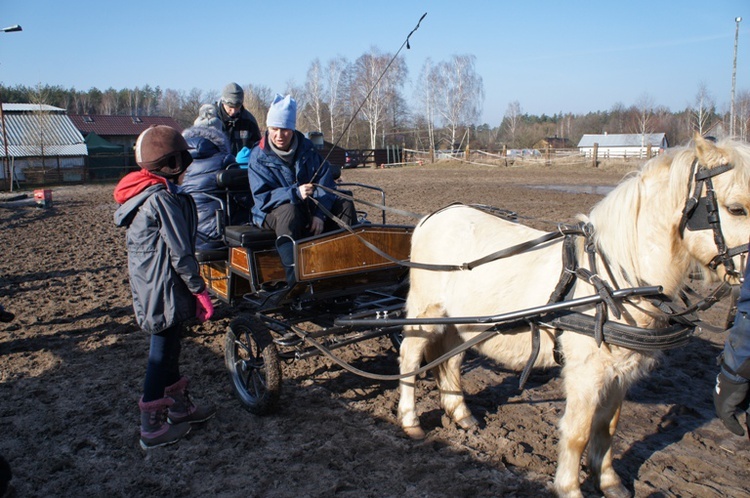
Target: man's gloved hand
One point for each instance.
(729, 397)
(204, 309)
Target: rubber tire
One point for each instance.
(258, 385)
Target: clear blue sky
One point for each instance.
(550, 56)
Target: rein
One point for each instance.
(467, 266)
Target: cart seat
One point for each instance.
(233, 179)
(211, 255)
(248, 236)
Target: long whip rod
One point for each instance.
(354, 115)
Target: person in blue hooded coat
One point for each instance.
(210, 152)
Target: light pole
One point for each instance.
(6, 159)
(734, 74)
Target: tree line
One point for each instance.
(362, 104)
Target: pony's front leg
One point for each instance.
(600, 447)
(581, 389)
(448, 378)
(410, 357)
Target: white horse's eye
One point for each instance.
(737, 210)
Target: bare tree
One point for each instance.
(511, 120)
(643, 117)
(257, 100)
(368, 70)
(461, 93)
(742, 111)
(426, 95)
(314, 90)
(703, 110)
(110, 102)
(191, 105)
(39, 137)
(336, 83)
(171, 103)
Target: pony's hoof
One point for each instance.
(619, 491)
(415, 432)
(467, 423)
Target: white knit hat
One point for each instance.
(282, 113)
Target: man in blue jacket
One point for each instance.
(733, 381)
(282, 170)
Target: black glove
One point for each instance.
(729, 397)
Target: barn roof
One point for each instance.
(104, 125)
(31, 133)
(622, 140)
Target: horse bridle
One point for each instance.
(701, 212)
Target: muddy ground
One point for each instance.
(72, 364)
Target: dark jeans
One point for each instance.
(294, 220)
(163, 363)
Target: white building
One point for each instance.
(635, 145)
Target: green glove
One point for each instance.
(729, 396)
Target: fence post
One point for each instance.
(594, 154)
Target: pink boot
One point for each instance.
(155, 431)
(184, 410)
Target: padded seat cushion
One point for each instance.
(248, 236)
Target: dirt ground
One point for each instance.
(72, 365)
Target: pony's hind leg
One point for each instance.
(416, 339)
(448, 378)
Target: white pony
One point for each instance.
(637, 233)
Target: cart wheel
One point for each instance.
(253, 363)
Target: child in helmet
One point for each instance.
(164, 278)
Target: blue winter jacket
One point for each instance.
(273, 182)
(210, 151)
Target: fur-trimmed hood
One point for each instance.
(206, 141)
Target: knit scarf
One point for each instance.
(288, 155)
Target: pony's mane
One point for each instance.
(655, 195)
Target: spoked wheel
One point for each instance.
(253, 363)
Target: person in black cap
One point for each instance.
(164, 278)
(239, 124)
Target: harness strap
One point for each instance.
(503, 253)
(535, 346)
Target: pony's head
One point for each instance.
(688, 207)
(715, 222)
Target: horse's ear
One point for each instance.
(709, 155)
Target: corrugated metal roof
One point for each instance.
(30, 133)
(622, 140)
(104, 125)
(31, 108)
